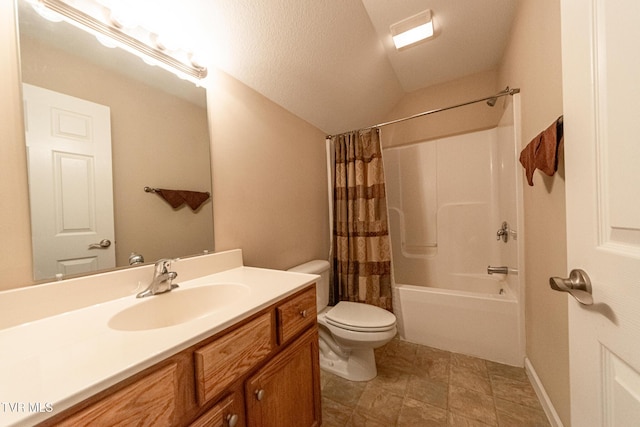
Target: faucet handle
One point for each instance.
(503, 232)
(163, 265)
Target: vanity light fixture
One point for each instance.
(94, 16)
(412, 30)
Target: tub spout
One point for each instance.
(497, 270)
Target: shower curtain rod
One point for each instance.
(490, 99)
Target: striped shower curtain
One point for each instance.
(361, 250)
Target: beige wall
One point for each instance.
(269, 179)
(15, 247)
(452, 122)
(532, 62)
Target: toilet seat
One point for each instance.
(359, 317)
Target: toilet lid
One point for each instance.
(360, 317)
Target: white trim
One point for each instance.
(543, 397)
(330, 162)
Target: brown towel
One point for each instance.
(177, 198)
(172, 197)
(194, 198)
(542, 152)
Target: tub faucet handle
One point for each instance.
(503, 232)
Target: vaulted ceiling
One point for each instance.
(332, 62)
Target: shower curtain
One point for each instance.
(361, 250)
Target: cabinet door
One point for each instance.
(286, 391)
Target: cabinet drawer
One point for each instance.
(226, 359)
(296, 314)
(221, 415)
(150, 401)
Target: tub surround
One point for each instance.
(58, 349)
(442, 290)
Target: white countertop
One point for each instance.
(61, 360)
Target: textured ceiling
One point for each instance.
(470, 36)
(332, 62)
(321, 60)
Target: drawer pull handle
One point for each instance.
(260, 394)
(232, 420)
(303, 313)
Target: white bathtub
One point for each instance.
(468, 315)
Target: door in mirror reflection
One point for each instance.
(70, 183)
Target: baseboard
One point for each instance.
(547, 406)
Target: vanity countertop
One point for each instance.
(50, 364)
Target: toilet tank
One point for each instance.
(321, 267)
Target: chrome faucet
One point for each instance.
(503, 232)
(497, 270)
(162, 278)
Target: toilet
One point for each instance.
(349, 331)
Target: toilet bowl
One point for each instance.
(348, 331)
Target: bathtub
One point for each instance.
(477, 315)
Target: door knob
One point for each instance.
(104, 244)
(578, 285)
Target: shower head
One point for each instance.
(507, 91)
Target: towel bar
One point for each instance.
(157, 190)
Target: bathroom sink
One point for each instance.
(178, 306)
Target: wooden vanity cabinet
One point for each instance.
(261, 372)
(280, 393)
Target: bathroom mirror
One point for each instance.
(159, 138)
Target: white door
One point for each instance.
(601, 92)
(70, 183)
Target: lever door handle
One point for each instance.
(578, 285)
(104, 244)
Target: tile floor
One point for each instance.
(422, 386)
